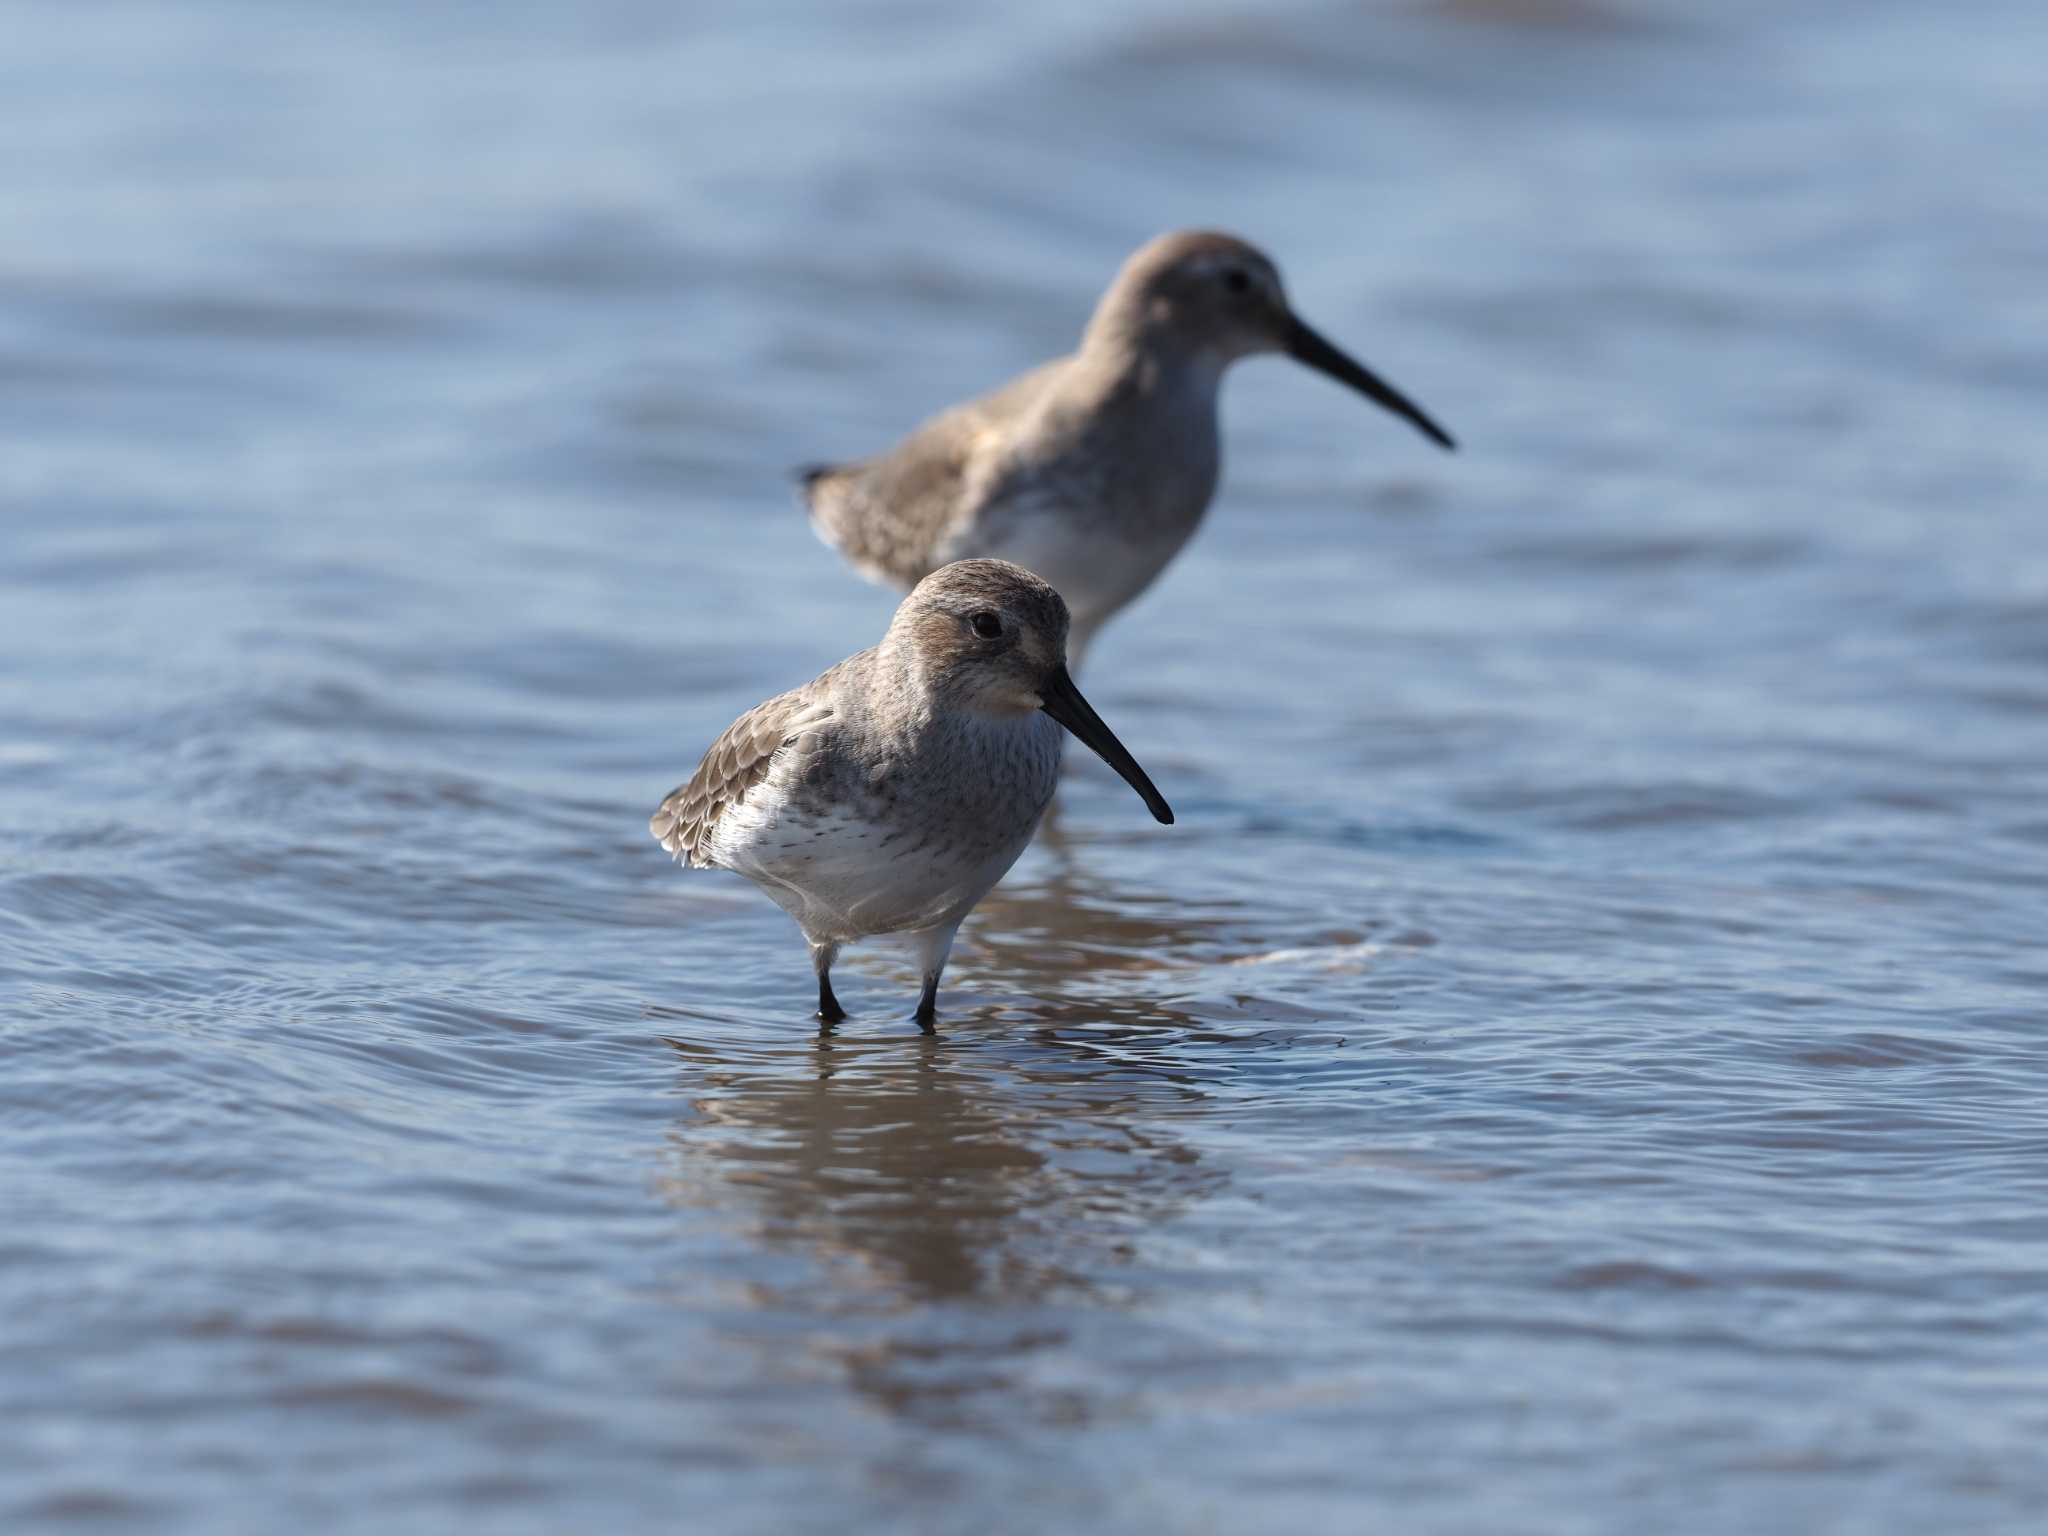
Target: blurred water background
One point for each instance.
(1578, 1063)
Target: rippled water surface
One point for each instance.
(1578, 1063)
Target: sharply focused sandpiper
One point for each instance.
(1094, 469)
(890, 794)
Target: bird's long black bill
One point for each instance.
(1063, 701)
(1304, 345)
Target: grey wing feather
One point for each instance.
(737, 762)
(892, 515)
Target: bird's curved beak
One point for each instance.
(1062, 700)
(1305, 345)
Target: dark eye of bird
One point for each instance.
(1236, 280)
(987, 625)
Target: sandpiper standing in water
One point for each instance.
(1094, 469)
(890, 794)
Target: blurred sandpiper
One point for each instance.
(1094, 469)
(890, 794)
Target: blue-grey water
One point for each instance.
(1580, 1064)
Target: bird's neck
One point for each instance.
(908, 699)
(1135, 366)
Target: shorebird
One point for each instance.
(890, 794)
(1094, 469)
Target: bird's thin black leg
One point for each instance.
(822, 956)
(829, 1011)
(933, 945)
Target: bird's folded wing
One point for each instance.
(737, 764)
(895, 515)
(888, 514)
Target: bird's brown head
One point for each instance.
(1200, 291)
(988, 637)
(983, 635)
(1209, 298)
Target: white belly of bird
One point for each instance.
(1096, 568)
(843, 878)
(845, 872)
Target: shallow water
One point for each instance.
(1576, 1065)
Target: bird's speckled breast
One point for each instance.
(913, 835)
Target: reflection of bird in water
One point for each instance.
(1070, 921)
(1003, 1169)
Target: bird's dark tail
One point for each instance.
(822, 491)
(808, 476)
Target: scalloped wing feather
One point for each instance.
(737, 765)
